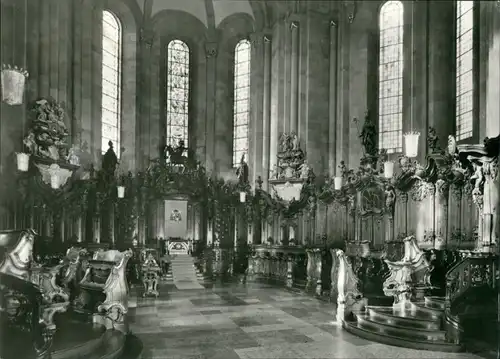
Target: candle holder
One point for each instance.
(411, 144)
(23, 160)
(388, 169)
(120, 191)
(337, 183)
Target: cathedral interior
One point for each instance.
(245, 179)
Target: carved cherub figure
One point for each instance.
(274, 172)
(304, 170)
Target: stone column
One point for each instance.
(266, 115)
(294, 78)
(441, 43)
(332, 143)
(211, 54)
(197, 223)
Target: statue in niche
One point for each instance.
(368, 135)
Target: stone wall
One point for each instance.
(321, 73)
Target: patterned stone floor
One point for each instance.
(252, 321)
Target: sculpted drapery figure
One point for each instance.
(484, 160)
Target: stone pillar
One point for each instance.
(294, 78)
(441, 43)
(266, 115)
(197, 223)
(332, 143)
(211, 54)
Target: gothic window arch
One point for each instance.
(241, 105)
(464, 81)
(390, 76)
(111, 81)
(178, 60)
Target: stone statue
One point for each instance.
(175, 155)
(304, 171)
(368, 135)
(285, 143)
(433, 140)
(275, 172)
(30, 143)
(452, 145)
(390, 198)
(109, 164)
(242, 171)
(491, 198)
(72, 157)
(295, 142)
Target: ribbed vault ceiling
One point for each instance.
(210, 12)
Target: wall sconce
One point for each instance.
(411, 144)
(337, 183)
(120, 191)
(23, 160)
(243, 197)
(388, 169)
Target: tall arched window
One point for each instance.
(464, 90)
(241, 111)
(390, 107)
(111, 81)
(177, 92)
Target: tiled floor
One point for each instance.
(252, 321)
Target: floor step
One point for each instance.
(392, 318)
(435, 302)
(353, 328)
(406, 333)
(419, 309)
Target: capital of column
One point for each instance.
(333, 23)
(294, 25)
(350, 6)
(147, 36)
(210, 49)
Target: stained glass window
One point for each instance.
(177, 92)
(464, 90)
(242, 54)
(111, 81)
(390, 124)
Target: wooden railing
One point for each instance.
(473, 273)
